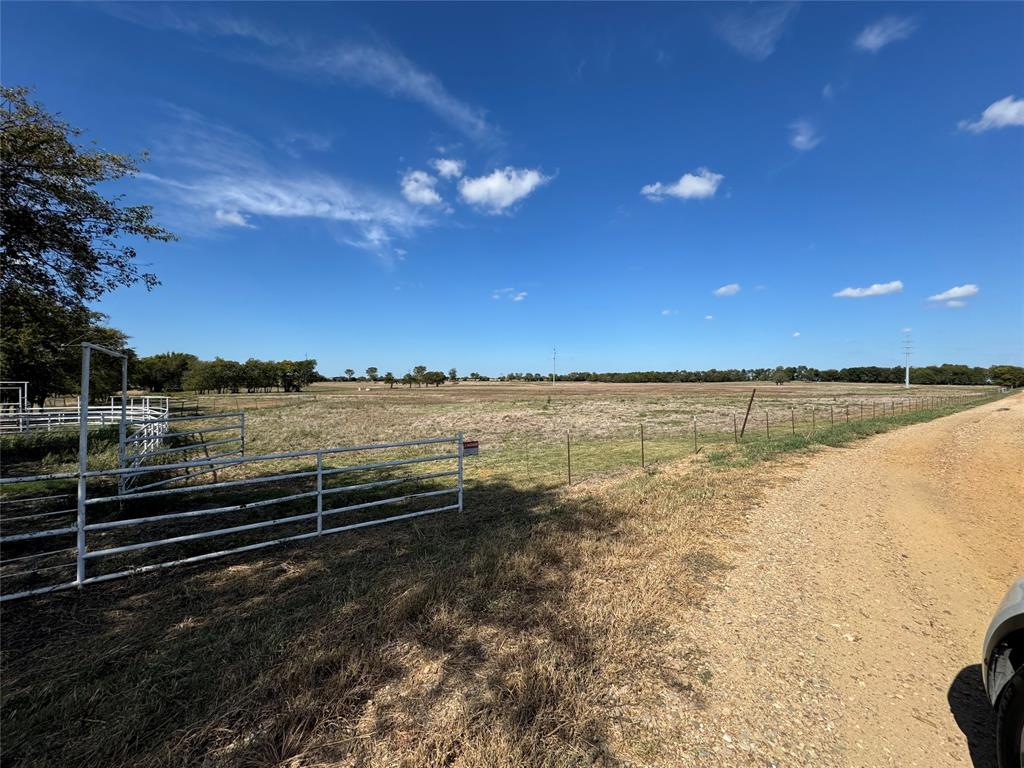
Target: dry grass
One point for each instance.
(499, 414)
(530, 631)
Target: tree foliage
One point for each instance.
(40, 344)
(61, 238)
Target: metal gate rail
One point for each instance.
(321, 518)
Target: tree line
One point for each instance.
(177, 371)
(947, 373)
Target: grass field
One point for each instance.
(522, 428)
(539, 628)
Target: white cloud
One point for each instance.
(418, 188)
(448, 168)
(956, 304)
(508, 293)
(754, 33)
(888, 29)
(803, 135)
(828, 91)
(875, 289)
(956, 292)
(908, 329)
(727, 290)
(709, 317)
(667, 312)
(232, 218)
(704, 183)
(796, 334)
(503, 188)
(1000, 114)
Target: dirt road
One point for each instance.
(850, 630)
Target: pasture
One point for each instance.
(523, 427)
(542, 626)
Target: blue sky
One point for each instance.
(642, 186)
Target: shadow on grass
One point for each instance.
(447, 637)
(974, 715)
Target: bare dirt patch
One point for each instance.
(849, 632)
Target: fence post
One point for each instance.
(83, 460)
(832, 415)
(643, 463)
(813, 427)
(735, 431)
(461, 483)
(847, 414)
(767, 429)
(792, 419)
(242, 429)
(695, 432)
(568, 457)
(320, 492)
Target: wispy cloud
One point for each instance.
(1000, 114)
(418, 187)
(702, 184)
(667, 312)
(298, 143)
(803, 135)
(709, 317)
(954, 297)
(378, 65)
(875, 289)
(447, 168)
(503, 188)
(511, 294)
(213, 176)
(796, 334)
(730, 289)
(755, 32)
(886, 30)
(828, 92)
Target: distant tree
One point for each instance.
(389, 379)
(453, 375)
(433, 377)
(349, 373)
(780, 376)
(39, 344)
(61, 239)
(408, 379)
(418, 374)
(371, 373)
(1007, 375)
(161, 373)
(474, 376)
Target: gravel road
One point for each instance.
(849, 632)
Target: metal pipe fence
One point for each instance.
(57, 538)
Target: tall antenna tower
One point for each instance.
(908, 347)
(554, 364)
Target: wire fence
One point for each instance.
(529, 459)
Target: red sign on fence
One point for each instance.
(470, 447)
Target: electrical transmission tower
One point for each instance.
(908, 347)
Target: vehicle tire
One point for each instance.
(1010, 723)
